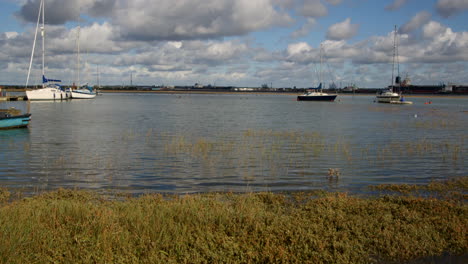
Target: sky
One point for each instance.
(236, 42)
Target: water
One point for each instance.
(139, 143)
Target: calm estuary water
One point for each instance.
(139, 143)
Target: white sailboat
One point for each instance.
(390, 96)
(317, 94)
(50, 90)
(85, 91)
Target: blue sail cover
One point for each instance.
(45, 80)
(317, 88)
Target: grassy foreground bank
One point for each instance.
(70, 226)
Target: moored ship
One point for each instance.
(407, 88)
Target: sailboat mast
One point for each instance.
(78, 57)
(393, 62)
(43, 39)
(34, 44)
(397, 44)
(97, 69)
(320, 74)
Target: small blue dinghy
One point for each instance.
(13, 118)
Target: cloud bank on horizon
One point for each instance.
(238, 42)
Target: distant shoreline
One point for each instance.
(347, 94)
(278, 93)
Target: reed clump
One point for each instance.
(72, 226)
(4, 195)
(453, 189)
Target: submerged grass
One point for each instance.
(318, 227)
(261, 155)
(454, 189)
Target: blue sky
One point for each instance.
(237, 42)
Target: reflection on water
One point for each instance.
(197, 143)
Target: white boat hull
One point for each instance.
(82, 94)
(391, 98)
(46, 94)
(316, 96)
(401, 102)
(388, 97)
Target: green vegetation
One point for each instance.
(72, 226)
(453, 189)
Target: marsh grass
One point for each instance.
(424, 124)
(272, 151)
(278, 153)
(72, 226)
(257, 152)
(454, 189)
(258, 156)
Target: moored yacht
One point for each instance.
(389, 95)
(85, 92)
(316, 94)
(50, 89)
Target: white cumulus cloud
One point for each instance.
(342, 30)
(433, 29)
(298, 48)
(168, 19)
(305, 29)
(195, 19)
